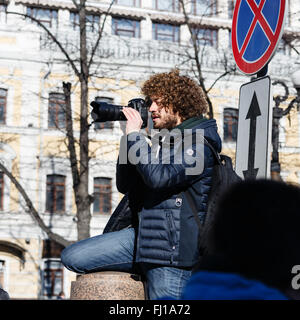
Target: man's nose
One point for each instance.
(153, 107)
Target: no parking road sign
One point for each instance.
(257, 27)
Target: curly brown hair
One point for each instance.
(180, 93)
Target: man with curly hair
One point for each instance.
(181, 97)
(162, 241)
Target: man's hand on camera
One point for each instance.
(134, 120)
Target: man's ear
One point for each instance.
(179, 117)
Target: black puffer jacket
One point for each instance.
(167, 230)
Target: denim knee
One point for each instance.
(110, 251)
(72, 259)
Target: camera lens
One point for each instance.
(103, 111)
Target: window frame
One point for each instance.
(230, 4)
(174, 28)
(232, 114)
(93, 26)
(31, 11)
(105, 190)
(136, 29)
(3, 272)
(210, 13)
(284, 47)
(288, 20)
(211, 41)
(3, 5)
(4, 97)
(58, 104)
(175, 6)
(52, 277)
(136, 3)
(1, 190)
(52, 208)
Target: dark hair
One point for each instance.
(257, 228)
(180, 93)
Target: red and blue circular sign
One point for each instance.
(257, 26)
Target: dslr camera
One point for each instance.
(103, 111)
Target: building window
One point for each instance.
(74, 19)
(230, 124)
(102, 195)
(230, 9)
(166, 5)
(284, 47)
(126, 27)
(48, 17)
(130, 3)
(107, 124)
(52, 279)
(2, 273)
(57, 111)
(92, 21)
(289, 14)
(3, 101)
(3, 9)
(204, 7)
(1, 190)
(55, 197)
(165, 32)
(206, 37)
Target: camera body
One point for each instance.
(103, 111)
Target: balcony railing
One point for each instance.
(117, 50)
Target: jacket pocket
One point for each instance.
(172, 228)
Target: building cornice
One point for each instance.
(136, 13)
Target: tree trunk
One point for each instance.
(82, 197)
(79, 164)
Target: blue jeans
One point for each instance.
(114, 251)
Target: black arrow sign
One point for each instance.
(252, 114)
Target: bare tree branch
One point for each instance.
(99, 35)
(228, 70)
(196, 58)
(76, 71)
(33, 212)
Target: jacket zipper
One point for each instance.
(172, 232)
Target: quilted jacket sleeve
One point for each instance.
(126, 172)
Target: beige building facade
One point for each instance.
(140, 37)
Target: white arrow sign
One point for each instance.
(254, 129)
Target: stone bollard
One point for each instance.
(108, 285)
